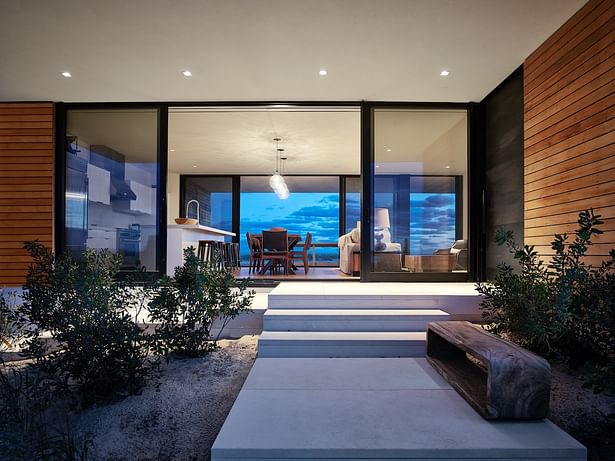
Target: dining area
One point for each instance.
(278, 251)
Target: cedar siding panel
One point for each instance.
(569, 129)
(26, 184)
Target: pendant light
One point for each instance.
(276, 181)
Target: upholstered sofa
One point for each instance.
(350, 250)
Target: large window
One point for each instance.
(353, 202)
(313, 206)
(214, 194)
(419, 191)
(112, 181)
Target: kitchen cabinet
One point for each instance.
(99, 184)
(146, 198)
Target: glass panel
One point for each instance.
(312, 206)
(215, 198)
(420, 171)
(112, 184)
(353, 203)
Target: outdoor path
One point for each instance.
(372, 409)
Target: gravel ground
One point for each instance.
(176, 417)
(588, 417)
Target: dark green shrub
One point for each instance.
(566, 306)
(99, 346)
(29, 430)
(186, 305)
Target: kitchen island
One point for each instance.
(181, 236)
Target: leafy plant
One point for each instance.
(566, 306)
(96, 344)
(29, 431)
(186, 305)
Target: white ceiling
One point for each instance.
(241, 141)
(249, 50)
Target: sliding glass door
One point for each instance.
(416, 185)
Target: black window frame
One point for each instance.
(475, 173)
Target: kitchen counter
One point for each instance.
(181, 236)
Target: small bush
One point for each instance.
(29, 430)
(566, 306)
(186, 305)
(99, 346)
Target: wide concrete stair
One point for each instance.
(347, 325)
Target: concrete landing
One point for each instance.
(371, 409)
(460, 300)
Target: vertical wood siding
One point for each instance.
(26, 184)
(569, 129)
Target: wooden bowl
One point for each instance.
(186, 221)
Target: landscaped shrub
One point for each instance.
(95, 342)
(186, 305)
(566, 306)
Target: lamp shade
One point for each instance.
(381, 218)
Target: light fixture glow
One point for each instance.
(448, 167)
(171, 150)
(187, 73)
(322, 72)
(388, 150)
(193, 166)
(444, 73)
(66, 74)
(377, 166)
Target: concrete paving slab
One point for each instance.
(348, 414)
(336, 374)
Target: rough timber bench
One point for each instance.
(497, 378)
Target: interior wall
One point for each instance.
(26, 184)
(569, 129)
(503, 122)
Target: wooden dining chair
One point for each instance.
(256, 253)
(303, 253)
(275, 250)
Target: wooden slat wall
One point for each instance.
(569, 129)
(26, 184)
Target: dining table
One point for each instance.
(293, 241)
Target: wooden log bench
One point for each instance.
(499, 379)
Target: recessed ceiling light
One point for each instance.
(447, 167)
(187, 73)
(322, 72)
(66, 74)
(388, 150)
(444, 73)
(171, 150)
(377, 166)
(193, 166)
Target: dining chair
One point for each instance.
(275, 249)
(256, 253)
(303, 253)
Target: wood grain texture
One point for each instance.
(26, 184)
(569, 130)
(497, 378)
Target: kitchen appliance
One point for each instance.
(129, 246)
(76, 202)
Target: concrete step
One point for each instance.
(460, 300)
(351, 319)
(341, 344)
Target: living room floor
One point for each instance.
(315, 273)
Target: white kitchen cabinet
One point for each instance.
(146, 198)
(99, 185)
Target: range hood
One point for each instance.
(114, 162)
